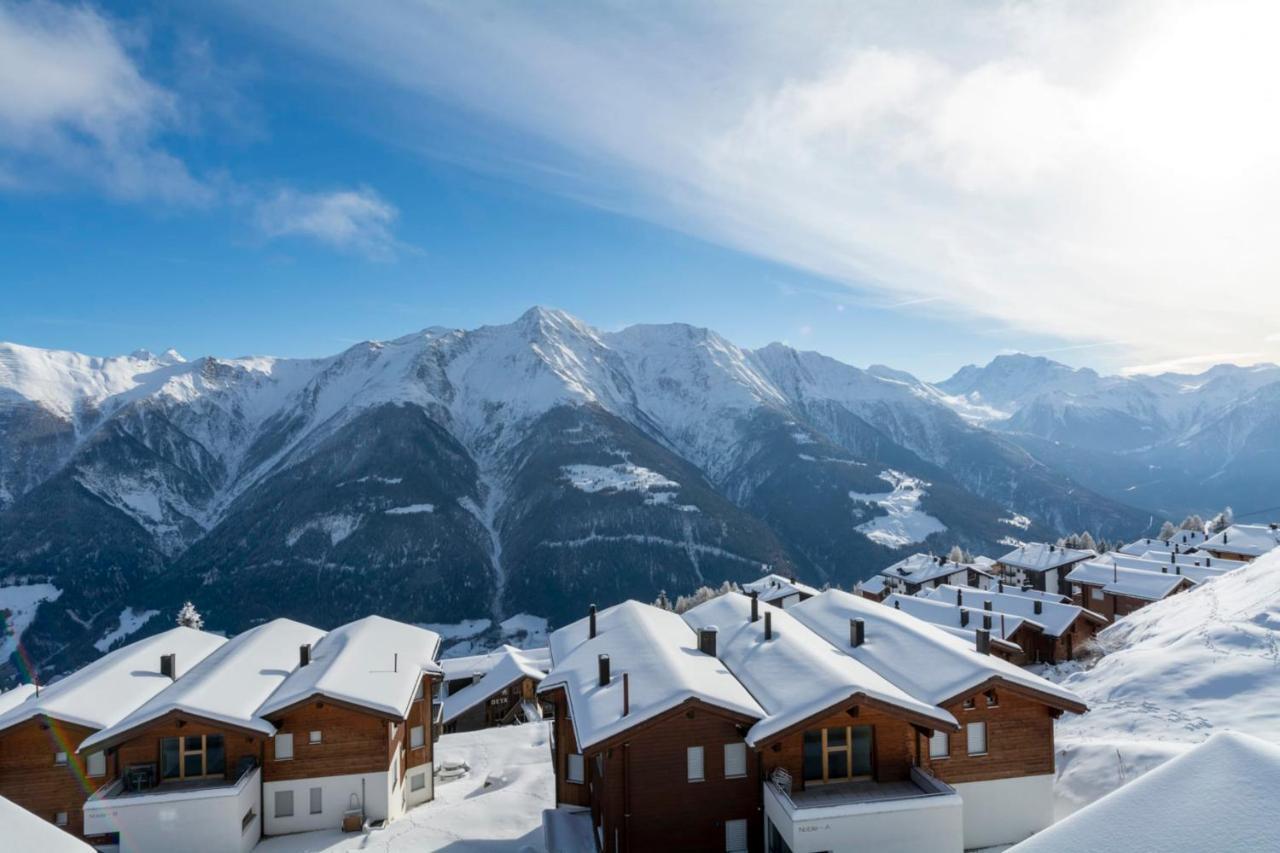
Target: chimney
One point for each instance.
(604, 670)
(626, 694)
(591, 622)
(986, 605)
(1000, 586)
(1053, 548)
(897, 605)
(857, 632)
(986, 621)
(304, 654)
(983, 641)
(1039, 606)
(1208, 561)
(169, 666)
(755, 606)
(768, 625)
(959, 597)
(707, 640)
(964, 618)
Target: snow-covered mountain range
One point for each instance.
(534, 466)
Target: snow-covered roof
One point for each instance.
(1183, 540)
(1030, 592)
(1219, 795)
(473, 665)
(659, 652)
(1041, 557)
(1118, 579)
(509, 665)
(945, 614)
(922, 568)
(1153, 561)
(1054, 617)
(923, 660)
(11, 699)
(1252, 540)
(876, 585)
(1195, 558)
(795, 674)
(230, 683)
(772, 587)
(105, 691)
(374, 662)
(25, 831)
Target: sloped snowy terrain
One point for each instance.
(1174, 673)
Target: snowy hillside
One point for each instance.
(1174, 673)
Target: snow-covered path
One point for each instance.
(466, 816)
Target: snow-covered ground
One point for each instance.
(905, 523)
(130, 621)
(623, 477)
(20, 604)
(496, 807)
(1174, 673)
(474, 636)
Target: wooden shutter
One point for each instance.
(696, 773)
(735, 759)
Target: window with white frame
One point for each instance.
(313, 737)
(417, 737)
(735, 836)
(284, 746)
(284, 803)
(417, 781)
(940, 745)
(60, 818)
(59, 758)
(977, 738)
(575, 768)
(735, 760)
(317, 803)
(96, 764)
(1097, 593)
(696, 764)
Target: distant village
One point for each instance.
(910, 713)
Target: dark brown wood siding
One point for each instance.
(143, 744)
(892, 745)
(351, 741)
(1019, 740)
(30, 778)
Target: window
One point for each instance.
(735, 760)
(940, 745)
(417, 736)
(970, 704)
(315, 801)
(977, 738)
(417, 697)
(96, 764)
(992, 700)
(284, 803)
(314, 737)
(284, 747)
(837, 753)
(735, 836)
(575, 768)
(60, 818)
(247, 820)
(1096, 592)
(695, 764)
(192, 757)
(417, 781)
(60, 758)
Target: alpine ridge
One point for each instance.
(535, 466)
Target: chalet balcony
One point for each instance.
(919, 813)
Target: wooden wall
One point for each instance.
(29, 777)
(1019, 741)
(892, 746)
(350, 742)
(564, 742)
(143, 747)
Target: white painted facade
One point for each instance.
(208, 820)
(338, 795)
(934, 823)
(1005, 811)
(425, 772)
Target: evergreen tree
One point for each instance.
(189, 617)
(704, 593)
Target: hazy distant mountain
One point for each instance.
(536, 466)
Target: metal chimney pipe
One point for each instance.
(768, 625)
(857, 632)
(304, 654)
(591, 622)
(603, 661)
(1039, 606)
(626, 694)
(755, 605)
(983, 641)
(707, 640)
(986, 621)
(169, 666)
(964, 618)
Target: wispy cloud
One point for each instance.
(357, 220)
(1054, 166)
(1193, 363)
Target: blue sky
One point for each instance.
(232, 178)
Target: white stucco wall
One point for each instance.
(199, 821)
(1005, 811)
(336, 796)
(934, 823)
(416, 798)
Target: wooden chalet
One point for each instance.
(1041, 566)
(1114, 590)
(1061, 629)
(505, 691)
(1243, 542)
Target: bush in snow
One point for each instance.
(189, 617)
(704, 593)
(1167, 531)
(959, 555)
(1193, 522)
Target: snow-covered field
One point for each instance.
(623, 477)
(21, 602)
(496, 807)
(1174, 673)
(130, 621)
(905, 523)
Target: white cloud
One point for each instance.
(1193, 363)
(1072, 169)
(75, 107)
(357, 220)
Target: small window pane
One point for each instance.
(169, 767)
(59, 758)
(284, 803)
(60, 818)
(314, 737)
(417, 737)
(315, 801)
(193, 764)
(862, 750)
(284, 746)
(735, 759)
(813, 755)
(417, 781)
(940, 745)
(695, 764)
(575, 769)
(96, 764)
(215, 756)
(193, 743)
(977, 738)
(735, 836)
